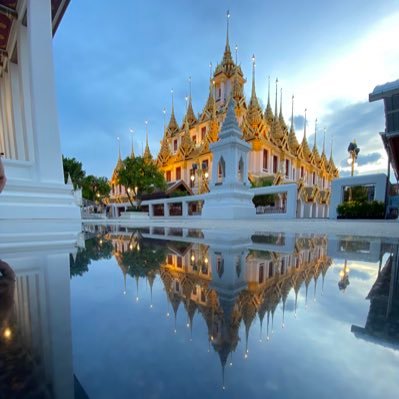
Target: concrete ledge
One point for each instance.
(134, 216)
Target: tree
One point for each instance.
(138, 177)
(95, 188)
(96, 248)
(75, 170)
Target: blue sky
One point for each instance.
(116, 64)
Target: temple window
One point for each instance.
(293, 173)
(275, 163)
(203, 133)
(168, 175)
(265, 160)
(203, 297)
(313, 178)
(175, 145)
(179, 262)
(194, 139)
(221, 170)
(170, 260)
(287, 167)
(302, 172)
(219, 92)
(178, 173)
(270, 269)
(261, 273)
(240, 169)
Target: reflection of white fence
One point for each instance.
(190, 206)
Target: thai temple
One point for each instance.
(276, 156)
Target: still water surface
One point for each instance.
(180, 313)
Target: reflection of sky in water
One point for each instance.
(125, 348)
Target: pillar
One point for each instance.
(184, 209)
(166, 209)
(43, 100)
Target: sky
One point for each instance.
(115, 66)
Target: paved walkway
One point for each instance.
(367, 228)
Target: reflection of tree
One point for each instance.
(96, 248)
(140, 262)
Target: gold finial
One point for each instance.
(268, 90)
(210, 70)
(236, 50)
(186, 99)
(132, 133)
(292, 113)
(189, 86)
(227, 32)
(146, 133)
(315, 132)
(173, 105)
(253, 75)
(281, 103)
(304, 129)
(119, 148)
(164, 118)
(275, 105)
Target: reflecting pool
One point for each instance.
(182, 313)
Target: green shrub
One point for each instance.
(361, 210)
(264, 199)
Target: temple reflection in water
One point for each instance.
(228, 281)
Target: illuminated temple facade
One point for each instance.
(276, 154)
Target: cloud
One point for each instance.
(361, 121)
(366, 159)
(299, 122)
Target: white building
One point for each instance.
(29, 134)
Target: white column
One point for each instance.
(20, 149)
(3, 132)
(166, 209)
(7, 103)
(24, 79)
(44, 113)
(184, 209)
(150, 211)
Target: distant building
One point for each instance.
(389, 92)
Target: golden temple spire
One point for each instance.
(173, 127)
(281, 117)
(147, 153)
(268, 111)
(292, 140)
(315, 133)
(190, 115)
(210, 72)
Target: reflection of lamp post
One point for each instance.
(344, 275)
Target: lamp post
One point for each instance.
(353, 151)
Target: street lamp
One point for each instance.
(353, 150)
